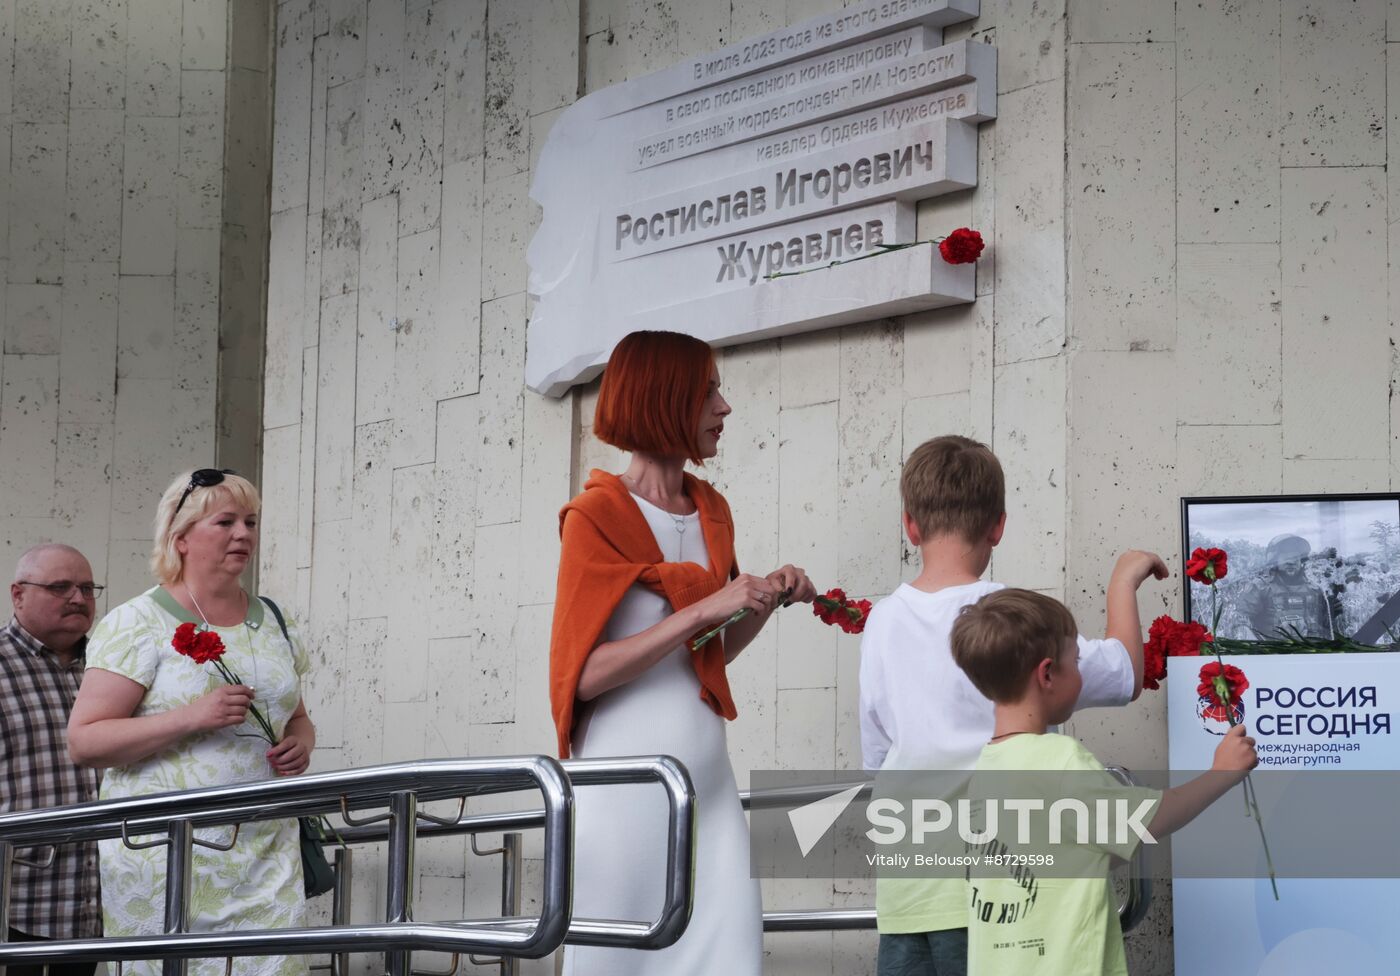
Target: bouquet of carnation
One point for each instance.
(832, 607)
(206, 647)
(1221, 686)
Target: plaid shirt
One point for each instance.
(60, 901)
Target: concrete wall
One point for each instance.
(119, 193)
(1186, 292)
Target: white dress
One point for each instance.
(620, 831)
(257, 884)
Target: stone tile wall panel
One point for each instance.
(340, 221)
(1336, 331)
(88, 347)
(94, 186)
(1229, 334)
(200, 198)
(1227, 122)
(1030, 306)
(1333, 61)
(195, 355)
(38, 201)
(463, 24)
(150, 157)
(153, 57)
(1122, 281)
(43, 30)
(378, 297)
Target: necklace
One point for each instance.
(679, 521)
(252, 656)
(197, 610)
(1007, 734)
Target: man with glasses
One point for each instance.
(41, 663)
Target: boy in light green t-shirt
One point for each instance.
(1019, 649)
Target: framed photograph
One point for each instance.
(1319, 567)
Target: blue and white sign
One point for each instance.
(1310, 714)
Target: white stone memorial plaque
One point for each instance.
(754, 191)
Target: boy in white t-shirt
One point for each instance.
(918, 710)
(1019, 649)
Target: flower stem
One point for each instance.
(231, 677)
(1251, 799)
(734, 618)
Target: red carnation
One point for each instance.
(1177, 639)
(205, 647)
(208, 647)
(1154, 658)
(1170, 638)
(962, 246)
(200, 646)
(1234, 679)
(1188, 639)
(1206, 566)
(184, 639)
(832, 607)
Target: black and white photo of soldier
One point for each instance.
(1312, 568)
(1280, 600)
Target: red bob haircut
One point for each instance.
(654, 387)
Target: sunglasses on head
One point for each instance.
(203, 478)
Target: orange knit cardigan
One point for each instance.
(608, 546)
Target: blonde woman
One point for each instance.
(157, 721)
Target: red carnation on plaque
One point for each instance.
(832, 607)
(962, 246)
(1171, 638)
(1224, 683)
(207, 647)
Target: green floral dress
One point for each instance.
(257, 884)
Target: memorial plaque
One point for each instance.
(757, 191)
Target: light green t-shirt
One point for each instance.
(1027, 919)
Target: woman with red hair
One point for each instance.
(647, 563)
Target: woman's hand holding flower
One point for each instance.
(225, 706)
(794, 582)
(744, 592)
(290, 757)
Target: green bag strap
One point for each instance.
(281, 620)
(321, 823)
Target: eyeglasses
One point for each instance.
(64, 588)
(203, 478)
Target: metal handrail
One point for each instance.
(1138, 897)
(399, 786)
(429, 779)
(1131, 911)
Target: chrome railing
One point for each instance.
(173, 817)
(1137, 895)
(1131, 911)
(401, 787)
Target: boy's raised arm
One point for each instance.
(1129, 573)
(1234, 758)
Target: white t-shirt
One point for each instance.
(918, 710)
